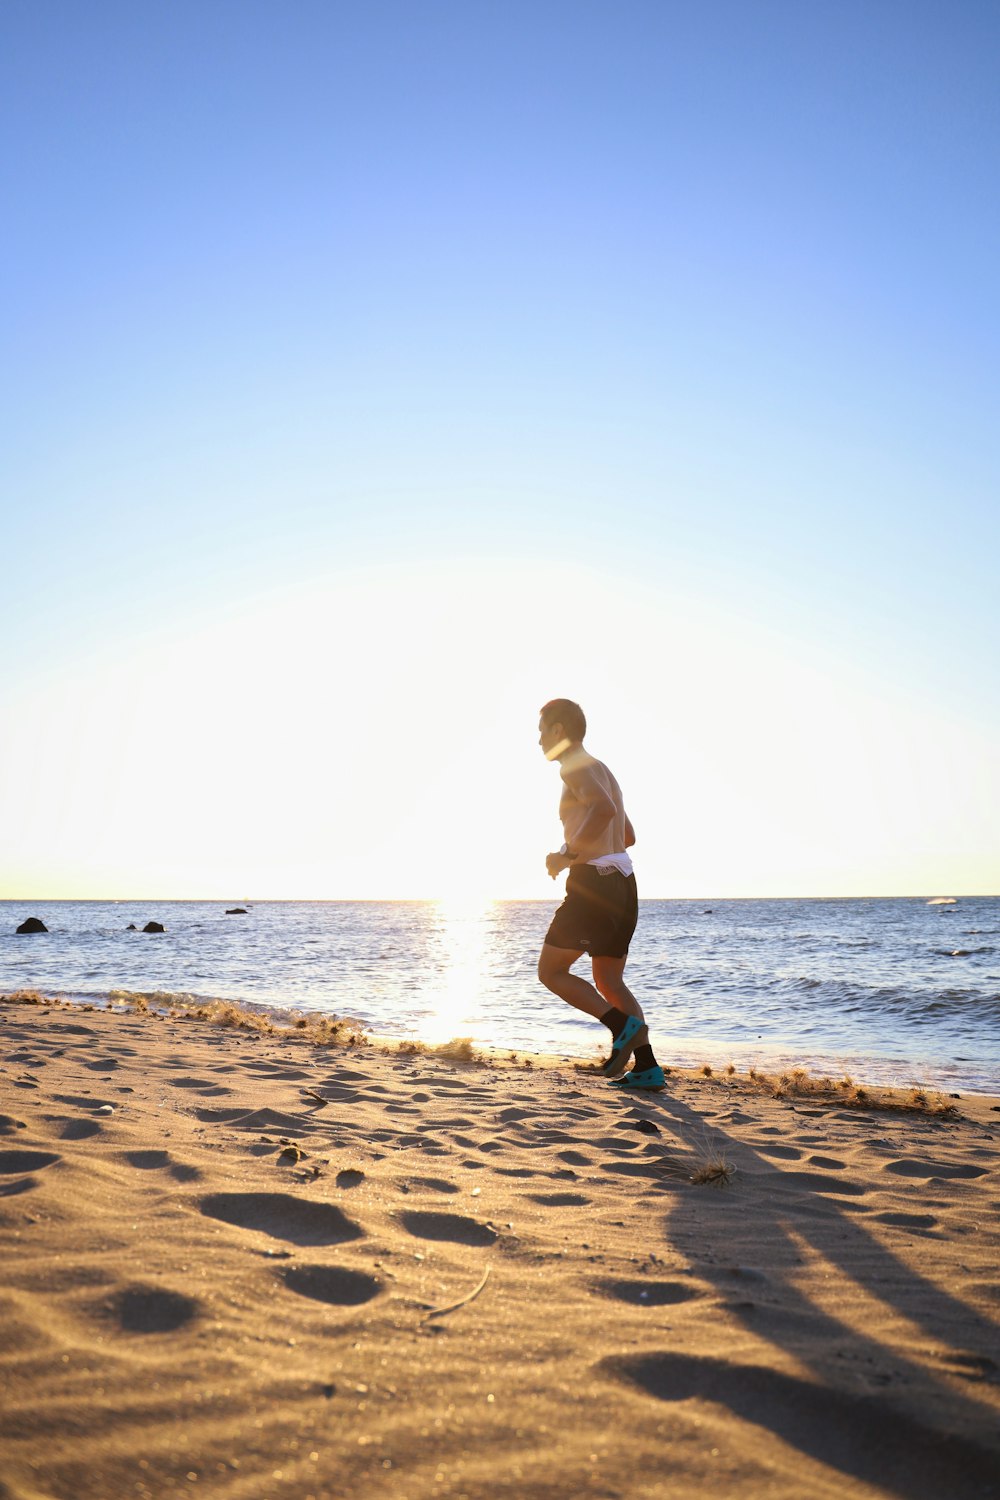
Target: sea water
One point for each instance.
(891, 991)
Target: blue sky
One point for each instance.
(680, 317)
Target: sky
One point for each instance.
(376, 372)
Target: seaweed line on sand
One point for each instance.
(330, 1031)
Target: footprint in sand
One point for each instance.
(455, 1228)
(332, 1094)
(828, 1163)
(910, 1167)
(9, 1126)
(434, 1184)
(908, 1221)
(560, 1200)
(783, 1153)
(857, 1435)
(336, 1285)
(814, 1182)
(300, 1221)
(513, 1113)
(203, 1086)
(350, 1177)
(83, 1101)
(649, 1293)
(221, 1116)
(18, 1186)
(619, 1143)
(161, 1161)
(16, 1162)
(148, 1309)
(80, 1130)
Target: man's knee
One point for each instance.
(553, 964)
(546, 971)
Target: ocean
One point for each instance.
(890, 991)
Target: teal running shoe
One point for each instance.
(650, 1079)
(633, 1034)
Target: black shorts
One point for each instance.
(599, 913)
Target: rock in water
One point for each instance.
(154, 927)
(236, 911)
(33, 924)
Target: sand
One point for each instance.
(244, 1265)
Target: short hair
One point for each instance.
(567, 713)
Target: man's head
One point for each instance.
(561, 724)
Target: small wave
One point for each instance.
(962, 952)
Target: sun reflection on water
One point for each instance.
(463, 940)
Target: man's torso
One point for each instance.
(572, 811)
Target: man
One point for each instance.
(599, 913)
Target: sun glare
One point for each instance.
(464, 899)
(463, 940)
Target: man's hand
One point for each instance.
(556, 863)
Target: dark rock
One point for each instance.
(154, 927)
(131, 927)
(33, 924)
(236, 911)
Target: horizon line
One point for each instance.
(490, 900)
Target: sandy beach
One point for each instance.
(241, 1264)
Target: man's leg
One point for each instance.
(609, 977)
(553, 970)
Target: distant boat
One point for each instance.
(941, 901)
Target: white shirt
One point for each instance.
(620, 862)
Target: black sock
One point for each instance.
(643, 1059)
(614, 1020)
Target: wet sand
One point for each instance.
(243, 1265)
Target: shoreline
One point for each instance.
(691, 1060)
(237, 1263)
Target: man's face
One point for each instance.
(550, 736)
